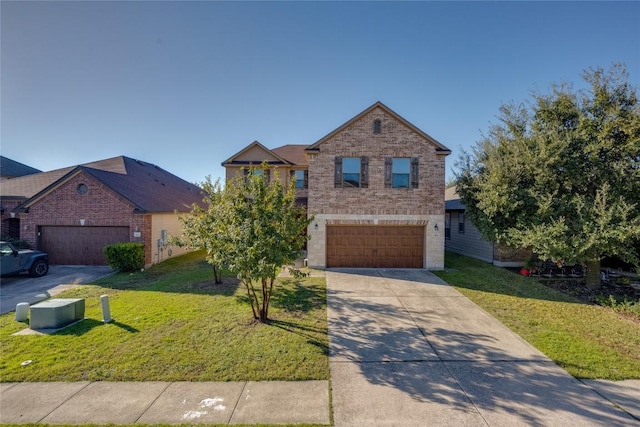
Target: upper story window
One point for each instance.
(301, 177)
(400, 168)
(377, 126)
(352, 172)
(266, 174)
(401, 172)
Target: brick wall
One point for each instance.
(376, 204)
(99, 206)
(395, 140)
(8, 221)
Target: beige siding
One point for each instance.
(281, 171)
(256, 155)
(162, 250)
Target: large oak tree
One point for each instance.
(561, 174)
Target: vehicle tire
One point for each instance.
(39, 268)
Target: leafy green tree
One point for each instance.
(561, 175)
(252, 226)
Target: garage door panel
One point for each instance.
(375, 246)
(80, 245)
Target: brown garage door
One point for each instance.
(375, 246)
(79, 245)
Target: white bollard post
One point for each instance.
(22, 310)
(106, 313)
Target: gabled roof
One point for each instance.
(439, 147)
(10, 168)
(293, 153)
(233, 160)
(148, 187)
(28, 186)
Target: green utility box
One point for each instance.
(56, 313)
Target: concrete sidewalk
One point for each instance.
(406, 349)
(273, 402)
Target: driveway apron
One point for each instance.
(406, 349)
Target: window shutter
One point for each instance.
(306, 179)
(364, 172)
(415, 172)
(388, 172)
(338, 172)
(267, 176)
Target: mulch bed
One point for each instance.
(619, 288)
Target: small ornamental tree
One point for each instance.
(561, 176)
(253, 227)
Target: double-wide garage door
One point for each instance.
(79, 245)
(377, 246)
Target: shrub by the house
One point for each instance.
(125, 256)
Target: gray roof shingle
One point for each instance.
(11, 169)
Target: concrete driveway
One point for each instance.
(406, 349)
(22, 288)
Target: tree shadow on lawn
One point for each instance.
(293, 295)
(140, 282)
(86, 325)
(304, 331)
(467, 371)
(296, 298)
(468, 273)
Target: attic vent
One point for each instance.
(377, 126)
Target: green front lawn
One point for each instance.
(589, 341)
(172, 323)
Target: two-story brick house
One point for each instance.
(375, 186)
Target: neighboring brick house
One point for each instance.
(463, 238)
(375, 188)
(72, 213)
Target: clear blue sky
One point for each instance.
(185, 85)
